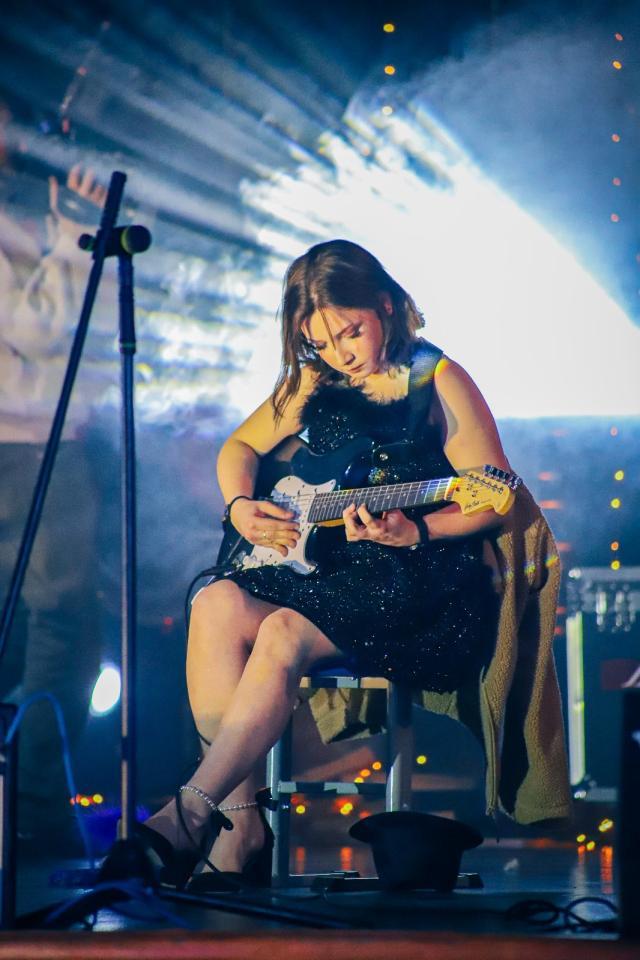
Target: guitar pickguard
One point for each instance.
(294, 494)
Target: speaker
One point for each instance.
(603, 660)
(628, 821)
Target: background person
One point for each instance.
(55, 644)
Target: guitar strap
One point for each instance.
(425, 360)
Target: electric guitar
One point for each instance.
(318, 487)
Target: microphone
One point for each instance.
(134, 239)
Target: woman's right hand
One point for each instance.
(265, 524)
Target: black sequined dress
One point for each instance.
(425, 617)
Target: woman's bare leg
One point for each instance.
(224, 623)
(287, 645)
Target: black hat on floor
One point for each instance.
(416, 850)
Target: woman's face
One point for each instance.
(348, 339)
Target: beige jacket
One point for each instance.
(514, 706)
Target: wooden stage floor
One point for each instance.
(473, 923)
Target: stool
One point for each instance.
(396, 790)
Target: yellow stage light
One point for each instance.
(618, 475)
(389, 27)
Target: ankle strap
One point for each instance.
(263, 800)
(189, 788)
(238, 806)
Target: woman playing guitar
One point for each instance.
(402, 594)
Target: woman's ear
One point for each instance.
(387, 305)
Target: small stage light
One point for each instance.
(106, 692)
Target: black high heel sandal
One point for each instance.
(256, 871)
(174, 867)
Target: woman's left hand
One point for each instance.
(393, 528)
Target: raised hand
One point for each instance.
(82, 183)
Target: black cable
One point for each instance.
(215, 573)
(551, 916)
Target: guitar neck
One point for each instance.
(329, 506)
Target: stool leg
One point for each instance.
(279, 770)
(399, 719)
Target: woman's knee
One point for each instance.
(218, 600)
(282, 639)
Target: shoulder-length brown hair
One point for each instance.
(338, 273)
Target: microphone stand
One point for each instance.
(128, 549)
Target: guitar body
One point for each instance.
(291, 475)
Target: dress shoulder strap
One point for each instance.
(426, 357)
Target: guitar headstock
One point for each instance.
(493, 489)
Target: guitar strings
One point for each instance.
(398, 488)
(326, 502)
(330, 499)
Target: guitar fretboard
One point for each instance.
(329, 506)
